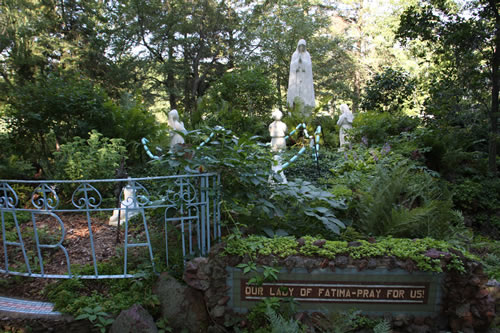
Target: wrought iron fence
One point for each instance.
(39, 217)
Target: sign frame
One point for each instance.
(393, 288)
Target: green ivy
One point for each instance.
(400, 248)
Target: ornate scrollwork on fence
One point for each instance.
(8, 198)
(182, 191)
(45, 197)
(135, 195)
(86, 196)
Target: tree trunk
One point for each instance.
(493, 138)
(170, 77)
(278, 86)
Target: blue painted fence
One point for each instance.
(190, 204)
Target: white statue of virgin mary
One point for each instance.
(300, 82)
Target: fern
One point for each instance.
(402, 203)
(382, 327)
(281, 325)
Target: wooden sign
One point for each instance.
(372, 291)
(338, 292)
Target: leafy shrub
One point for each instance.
(241, 101)
(378, 127)
(62, 105)
(451, 152)
(402, 203)
(95, 158)
(305, 167)
(12, 163)
(112, 296)
(133, 122)
(248, 195)
(389, 91)
(329, 132)
(15, 167)
(306, 206)
(479, 199)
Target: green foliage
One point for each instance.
(389, 91)
(305, 167)
(132, 122)
(452, 151)
(329, 131)
(382, 327)
(402, 248)
(378, 127)
(112, 296)
(402, 203)
(96, 316)
(281, 325)
(257, 316)
(12, 164)
(248, 197)
(63, 105)
(95, 158)
(241, 101)
(343, 322)
(162, 325)
(306, 206)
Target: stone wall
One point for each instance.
(467, 305)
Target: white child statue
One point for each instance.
(277, 130)
(345, 123)
(300, 82)
(128, 207)
(177, 126)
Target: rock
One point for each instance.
(182, 306)
(310, 264)
(319, 242)
(341, 261)
(435, 254)
(134, 320)
(354, 244)
(193, 281)
(483, 293)
(463, 310)
(372, 263)
(223, 300)
(218, 311)
(362, 264)
(420, 329)
(233, 260)
(331, 265)
(301, 241)
(410, 266)
(197, 273)
(291, 262)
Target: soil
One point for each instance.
(76, 242)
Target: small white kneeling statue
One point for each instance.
(277, 130)
(345, 123)
(177, 126)
(128, 207)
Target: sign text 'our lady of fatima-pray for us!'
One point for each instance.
(338, 292)
(373, 291)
